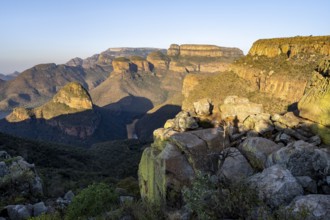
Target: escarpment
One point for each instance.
(281, 67)
(291, 46)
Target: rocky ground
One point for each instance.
(278, 156)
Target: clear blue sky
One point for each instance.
(43, 31)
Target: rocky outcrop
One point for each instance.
(72, 99)
(291, 90)
(315, 207)
(279, 165)
(197, 50)
(291, 46)
(172, 161)
(141, 64)
(18, 179)
(158, 60)
(276, 186)
(314, 105)
(239, 108)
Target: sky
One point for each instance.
(54, 31)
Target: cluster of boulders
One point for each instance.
(277, 155)
(21, 190)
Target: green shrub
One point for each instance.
(92, 201)
(211, 200)
(137, 210)
(52, 216)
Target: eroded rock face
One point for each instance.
(121, 64)
(203, 51)
(314, 105)
(276, 186)
(171, 163)
(291, 46)
(158, 60)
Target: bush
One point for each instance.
(210, 200)
(92, 201)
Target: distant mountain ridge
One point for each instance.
(106, 57)
(38, 84)
(10, 76)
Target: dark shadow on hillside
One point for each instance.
(150, 122)
(83, 128)
(130, 108)
(80, 129)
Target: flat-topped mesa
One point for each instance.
(198, 50)
(291, 46)
(131, 64)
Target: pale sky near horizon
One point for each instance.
(54, 31)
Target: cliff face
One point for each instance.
(281, 67)
(158, 60)
(291, 46)
(314, 105)
(203, 51)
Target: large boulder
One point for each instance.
(19, 212)
(276, 186)
(171, 163)
(257, 150)
(302, 159)
(260, 123)
(233, 166)
(203, 107)
(241, 108)
(311, 207)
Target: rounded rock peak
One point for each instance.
(74, 95)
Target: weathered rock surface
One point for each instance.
(171, 163)
(291, 46)
(276, 186)
(314, 105)
(256, 150)
(203, 107)
(239, 108)
(234, 167)
(121, 64)
(315, 207)
(158, 60)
